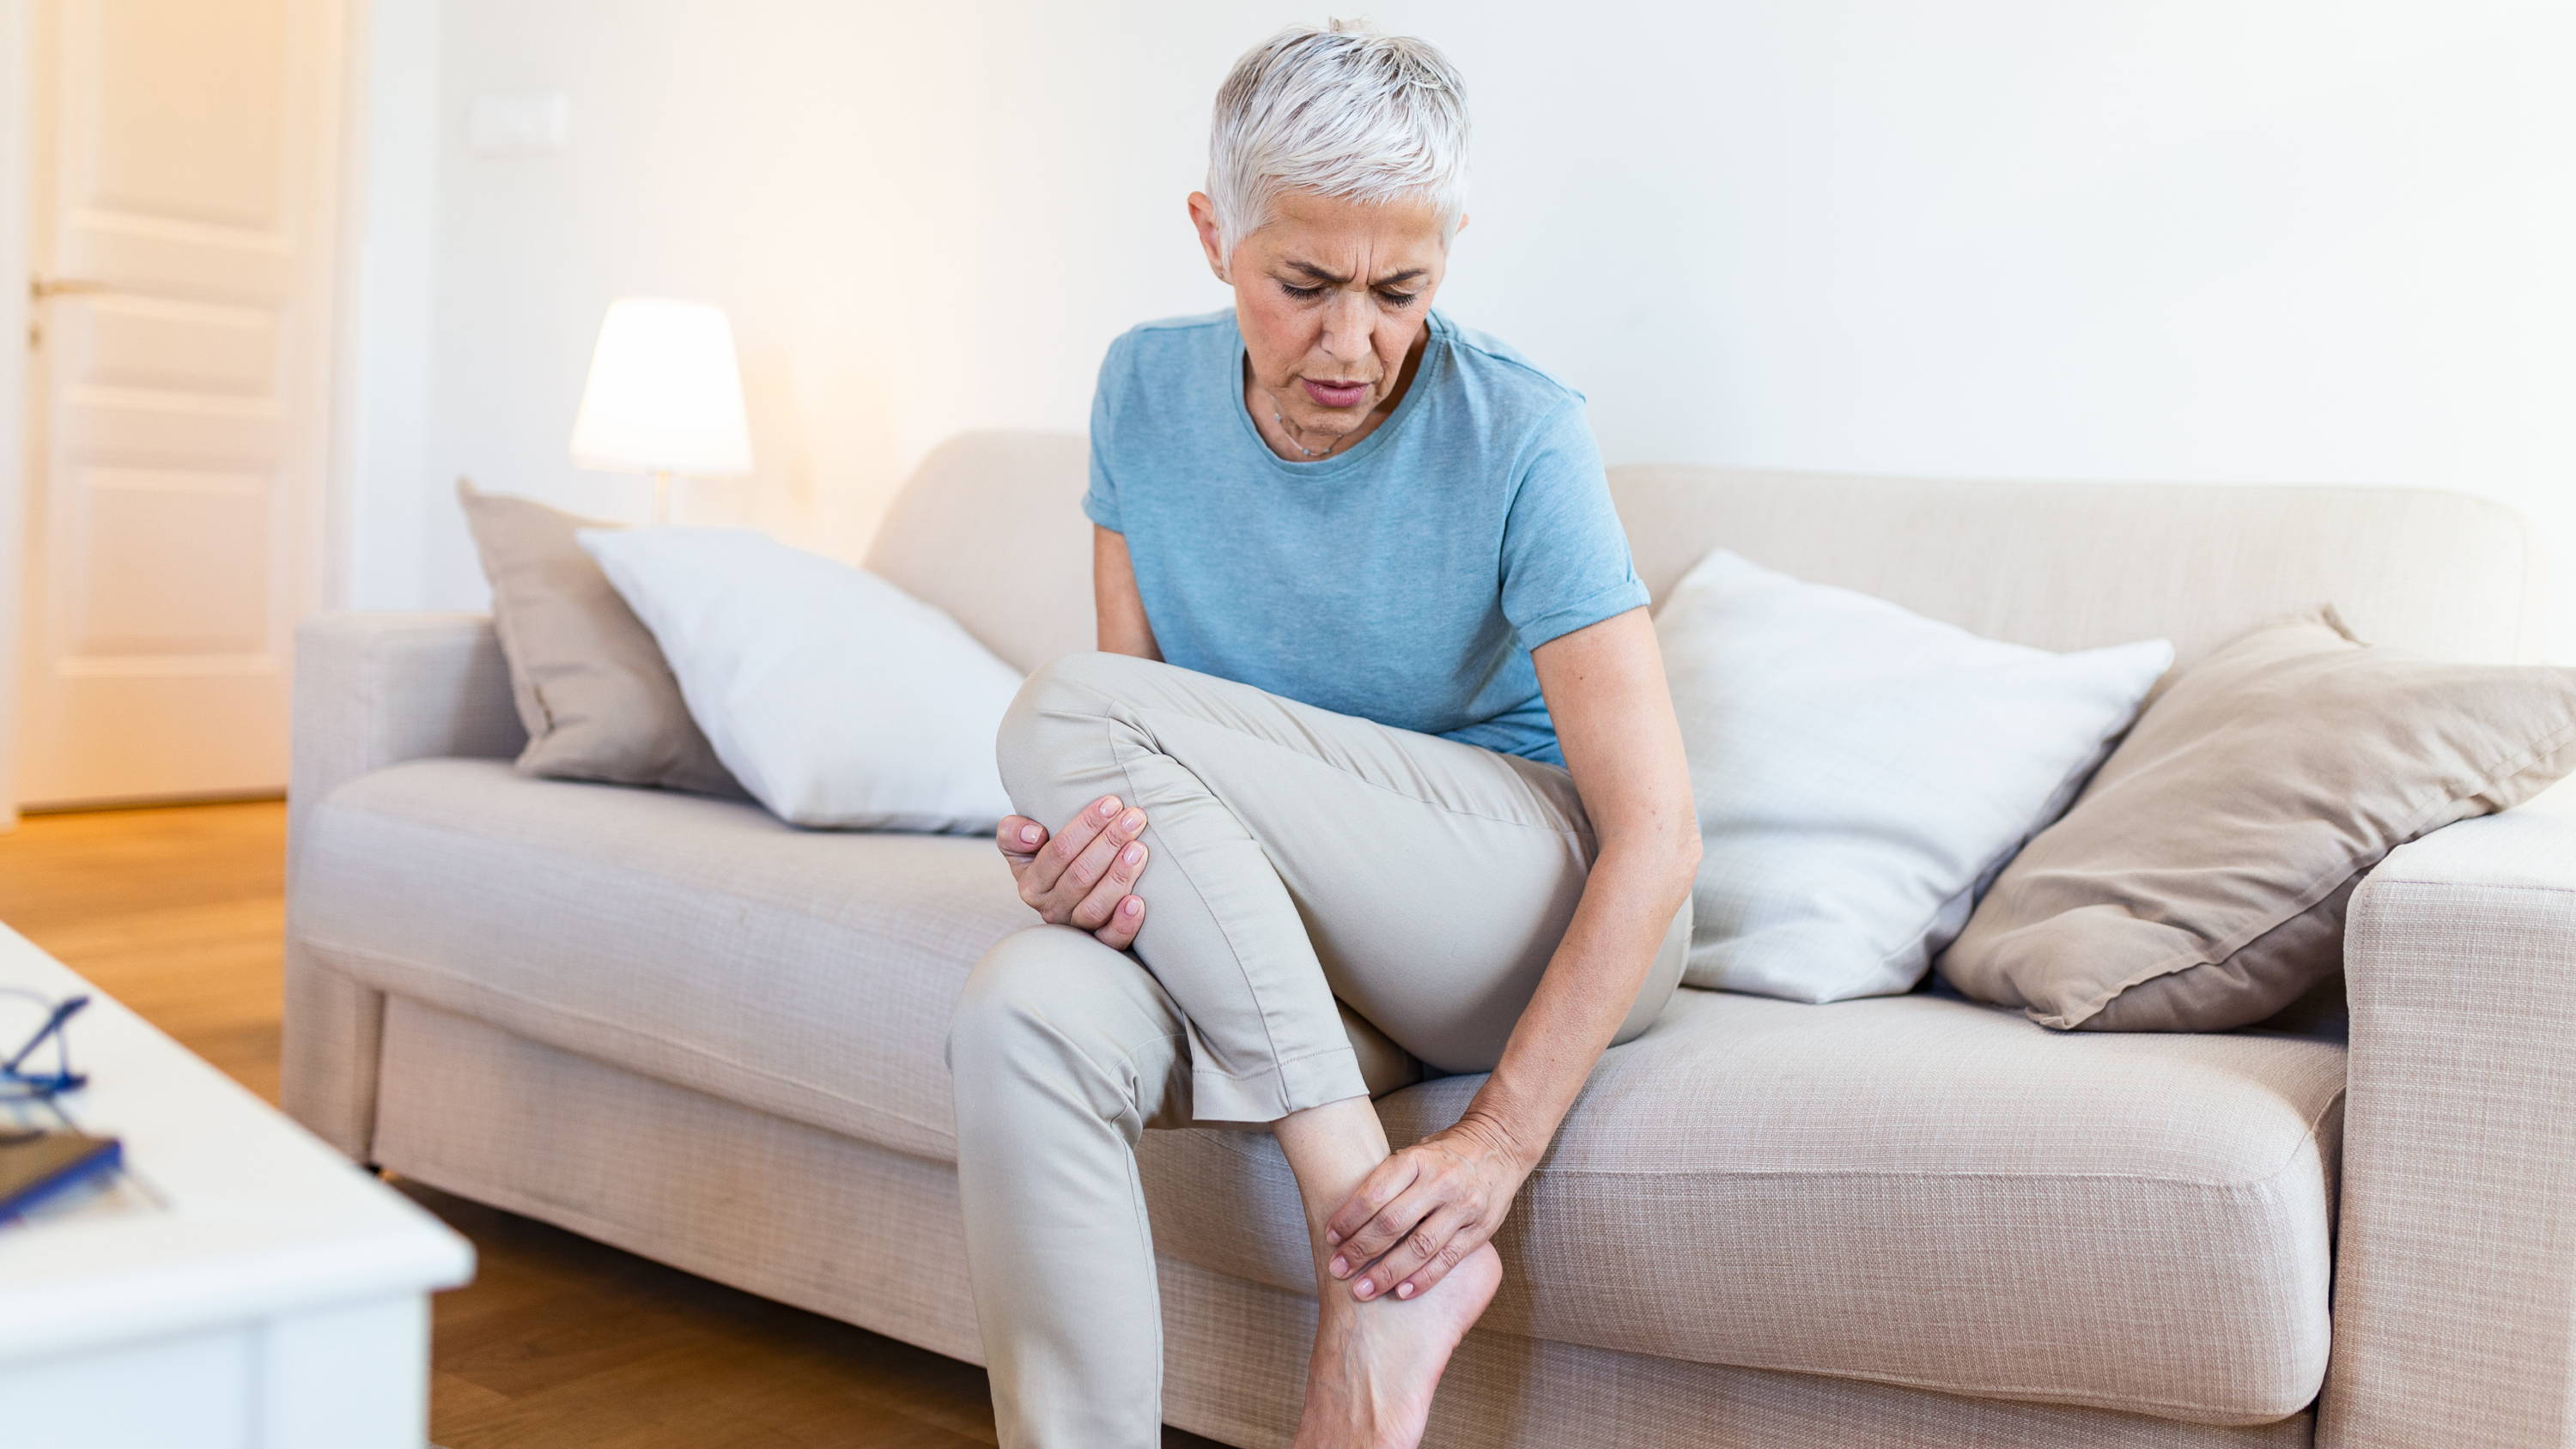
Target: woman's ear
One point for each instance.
(1203, 219)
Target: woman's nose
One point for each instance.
(1347, 325)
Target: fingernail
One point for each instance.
(1132, 854)
(1403, 1290)
(1028, 832)
(1332, 1237)
(1108, 807)
(1365, 1290)
(1340, 1268)
(1135, 821)
(1131, 905)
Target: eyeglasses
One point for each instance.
(21, 1083)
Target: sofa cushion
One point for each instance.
(1913, 1189)
(592, 690)
(1861, 772)
(2200, 880)
(836, 698)
(701, 941)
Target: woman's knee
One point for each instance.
(1036, 988)
(1051, 752)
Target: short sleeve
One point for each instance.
(1565, 555)
(1100, 500)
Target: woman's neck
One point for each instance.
(1270, 420)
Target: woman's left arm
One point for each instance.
(1424, 1209)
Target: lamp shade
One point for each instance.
(665, 395)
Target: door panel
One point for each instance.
(185, 156)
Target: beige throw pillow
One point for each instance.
(2199, 881)
(598, 701)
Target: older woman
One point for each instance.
(1379, 729)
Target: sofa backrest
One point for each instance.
(991, 529)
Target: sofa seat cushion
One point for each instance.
(1912, 1189)
(701, 941)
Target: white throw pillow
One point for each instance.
(836, 698)
(1862, 773)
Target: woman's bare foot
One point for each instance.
(1369, 1384)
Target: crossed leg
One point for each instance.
(1300, 859)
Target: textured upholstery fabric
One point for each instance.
(809, 973)
(2199, 882)
(375, 689)
(2080, 565)
(1240, 1379)
(870, 1235)
(1912, 1189)
(1753, 1182)
(371, 690)
(2455, 1290)
(991, 529)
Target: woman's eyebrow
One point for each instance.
(1319, 274)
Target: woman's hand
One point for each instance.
(1420, 1213)
(1080, 876)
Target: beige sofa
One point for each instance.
(676, 1025)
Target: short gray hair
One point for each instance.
(1344, 112)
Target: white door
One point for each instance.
(179, 230)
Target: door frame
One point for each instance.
(14, 165)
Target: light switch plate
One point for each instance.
(517, 123)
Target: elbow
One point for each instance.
(1669, 856)
(1686, 853)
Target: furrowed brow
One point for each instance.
(1315, 273)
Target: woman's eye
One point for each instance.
(1300, 293)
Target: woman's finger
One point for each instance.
(1386, 1231)
(1375, 1191)
(1431, 1242)
(1074, 887)
(1038, 882)
(1019, 837)
(1465, 1237)
(1126, 862)
(1124, 924)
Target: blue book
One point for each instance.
(36, 1165)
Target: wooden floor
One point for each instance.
(559, 1343)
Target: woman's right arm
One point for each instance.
(1123, 628)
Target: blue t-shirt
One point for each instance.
(1406, 580)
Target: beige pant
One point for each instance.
(1331, 904)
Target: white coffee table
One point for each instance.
(240, 1286)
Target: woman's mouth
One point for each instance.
(1336, 394)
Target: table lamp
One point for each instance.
(664, 397)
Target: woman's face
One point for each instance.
(1332, 296)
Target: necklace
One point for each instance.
(1292, 437)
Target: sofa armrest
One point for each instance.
(371, 690)
(375, 689)
(2455, 1274)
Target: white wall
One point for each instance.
(2308, 240)
(383, 449)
